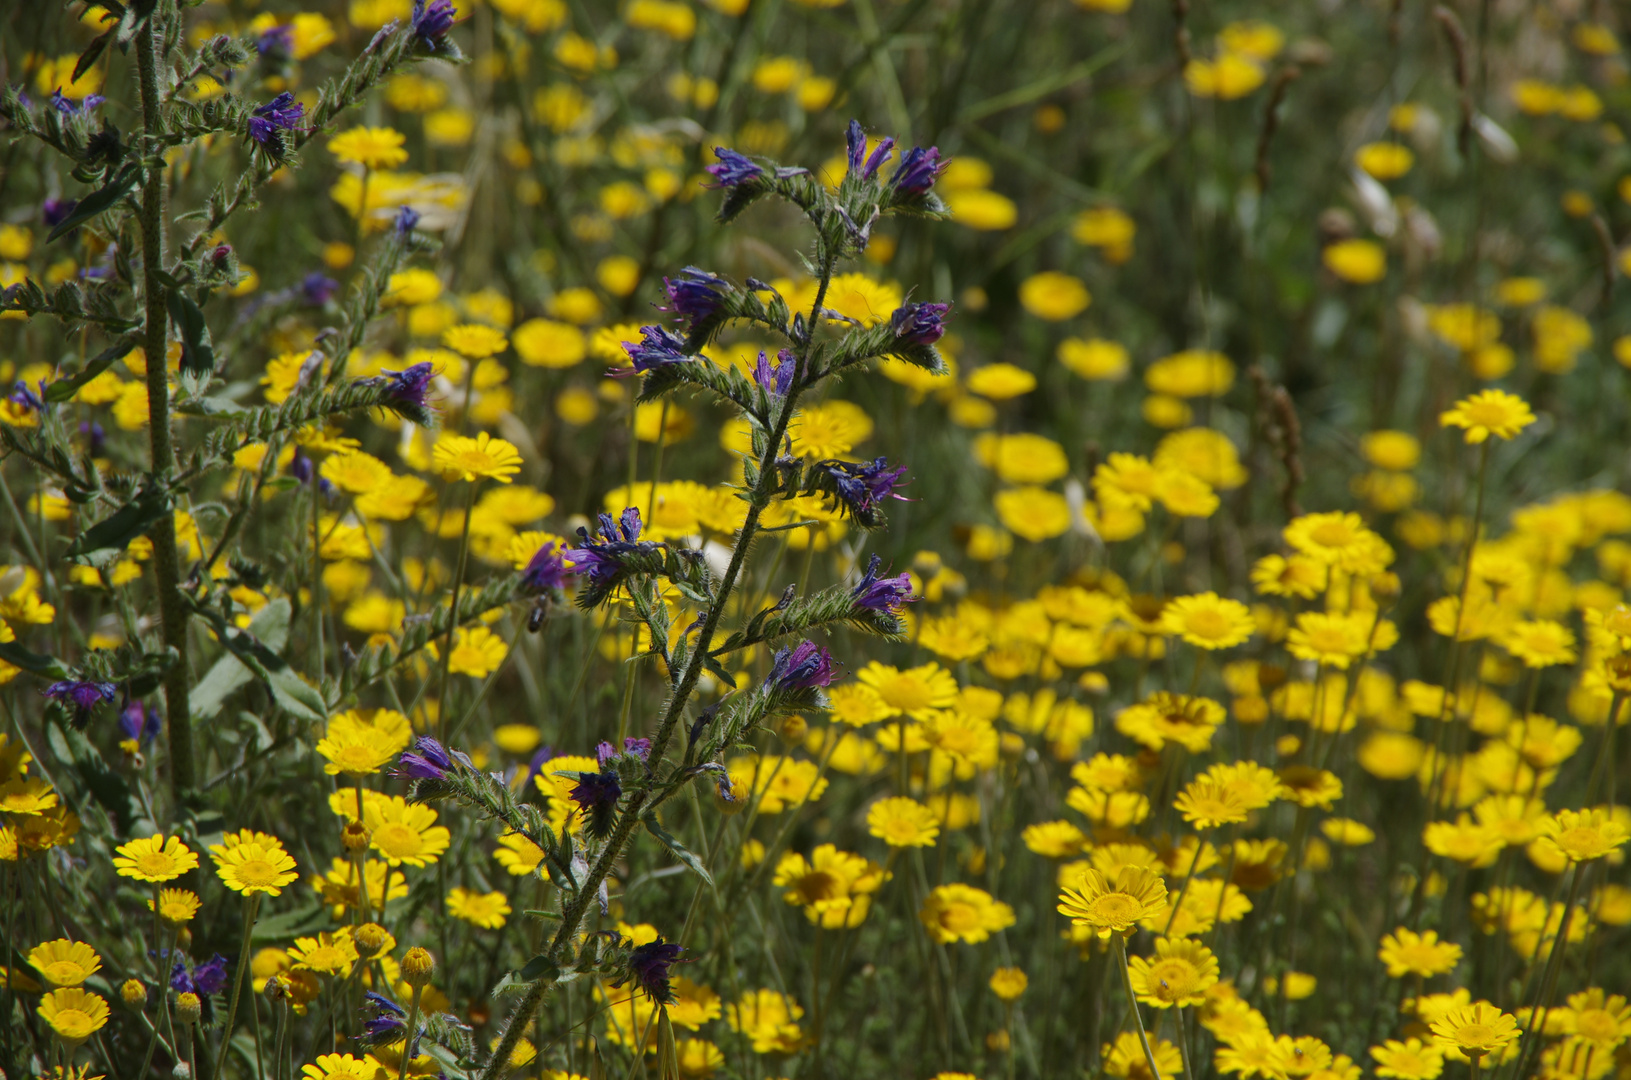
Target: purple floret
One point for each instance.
(733, 168)
(802, 667)
(883, 594)
(919, 324)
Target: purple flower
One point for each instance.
(409, 385)
(777, 380)
(94, 436)
(695, 294)
(318, 289)
(81, 695)
(429, 760)
(406, 218)
(546, 569)
(205, 979)
(803, 667)
(855, 140)
(65, 105)
(22, 394)
(56, 211)
(883, 594)
(648, 967)
(733, 168)
(919, 324)
(884, 151)
(640, 748)
(139, 722)
(918, 170)
(282, 113)
(300, 467)
(596, 794)
(602, 560)
(658, 347)
(862, 487)
(276, 41)
(383, 1018)
(432, 22)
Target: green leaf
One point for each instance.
(285, 925)
(17, 656)
(197, 352)
(124, 524)
(105, 786)
(63, 389)
(104, 198)
(681, 852)
(540, 967)
(271, 626)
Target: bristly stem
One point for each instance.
(572, 914)
(166, 568)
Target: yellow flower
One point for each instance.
(981, 209)
(1584, 835)
(1107, 907)
(370, 147)
(64, 962)
(327, 954)
(154, 858)
(1338, 640)
(73, 1013)
(474, 341)
(1034, 513)
(1232, 75)
(357, 750)
(1540, 643)
(914, 691)
(769, 1019)
(1191, 373)
(1384, 160)
(1406, 952)
(1183, 971)
(486, 910)
(1206, 804)
(1489, 412)
(517, 854)
(1095, 358)
(461, 458)
(546, 343)
(834, 887)
(1208, 620)
(1475, 1029)
(1408, 1060)
(1054, 296)
(902, 822)
(1008, 983)
(340, 1067)
(249, 862)
(354, 471)
(404, 832)
(477, 652)
(177, 906)
(1359, 262)
(959, 912)
(1000, 381)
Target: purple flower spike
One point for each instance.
(658, 347)
(596, 794)
(81, 696)
(282, 113)
(803, 667)
(862, 487)
(432, 22)
(648, 967)
(779, 379)
(855, 140)
(918, 170)
(919, 324)
(546, 569)
(884, 151)
(695, 294)
(409, 385)
(210, 977)
(733, 168)
(883, 594)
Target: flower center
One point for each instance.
(1470, 1036)
(256, 872)
(153, 864)
(959, 918)
(396, 839)
(817, 885)
(1114, 909)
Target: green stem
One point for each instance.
(1132, 1003)
(251, 906)
(172, 608)
(453, 620)
(408, 1039)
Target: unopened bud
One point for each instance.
(188, 1008)
(134, 993)
(355, 837)
(371, 938)
(417, 967)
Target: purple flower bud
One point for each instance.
(300, 467)
(602, 559)
(855, 140)
(695, 294)
(282, 113)
(885, 150)
(429, 760)
(406, 219)
(66, 106)
(318, 289)
(658, 347)
(596, 794)
(546, 569)
(605, 751)
(919, 324)
(22, 394)
(802, 667)
(93, 100)
(95, 437)
(221, 252)
(733, 168)
(862, 487)
(777, 380)
(276, 41)
(918, 170)
(640, 748)
(81, 696)
(180, 981)
(648, 967)
(408, 386)
(883, 594)
(56, 211)
(210, 977)
(432, 22)
(139, 722)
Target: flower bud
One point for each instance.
(182, 1071)
(371, 938)
(355, 837)
(417, 966)
(134, 993)
(188, 1008)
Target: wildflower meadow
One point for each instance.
(815, 539)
